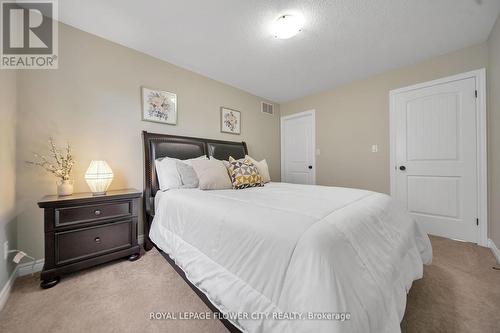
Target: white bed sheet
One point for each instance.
(295, 250)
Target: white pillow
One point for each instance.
(262, 167)
(189, 161)
(168, 173)
(168, 176)
(212, 175)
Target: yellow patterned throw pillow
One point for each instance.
(244, 174)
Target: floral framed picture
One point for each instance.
(230, 121)
(159, 106)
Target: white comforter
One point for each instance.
(274, 256)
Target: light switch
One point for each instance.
(374, 148)
(318, 152)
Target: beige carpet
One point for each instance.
(460, 292)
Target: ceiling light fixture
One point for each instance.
(287, 26)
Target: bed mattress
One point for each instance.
(295, 258)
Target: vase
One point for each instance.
(64, 188)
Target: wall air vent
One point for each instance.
(267, 108)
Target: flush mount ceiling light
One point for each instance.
(287, 26)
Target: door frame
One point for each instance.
(311, 113)
(481, 124)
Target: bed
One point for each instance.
(285, 257)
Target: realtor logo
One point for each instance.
(29, 34)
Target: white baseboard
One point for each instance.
(5, 292)
(20, 270)
(28, 268)
(494, 249)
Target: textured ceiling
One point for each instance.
(342, 40)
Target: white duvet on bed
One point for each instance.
(295, 251)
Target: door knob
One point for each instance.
(310, 167)
(402, 168)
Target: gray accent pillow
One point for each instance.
(188, 176)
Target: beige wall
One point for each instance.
(351, 118)
(494, 133)
(7, 169)
(93, 101)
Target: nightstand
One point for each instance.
(83, 230)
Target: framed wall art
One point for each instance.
(230, 121)
(159, 106)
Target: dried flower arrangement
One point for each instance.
(60, 163)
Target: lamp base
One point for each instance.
(96, 194)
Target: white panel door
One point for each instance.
(298, 148)
(435, 153)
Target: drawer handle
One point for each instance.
(97, 240)
(97, 212)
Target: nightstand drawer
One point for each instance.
(80, 244)
(71, 215)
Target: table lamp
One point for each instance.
(99, 176)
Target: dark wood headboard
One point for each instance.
(181, 147)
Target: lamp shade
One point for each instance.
(99, 176)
